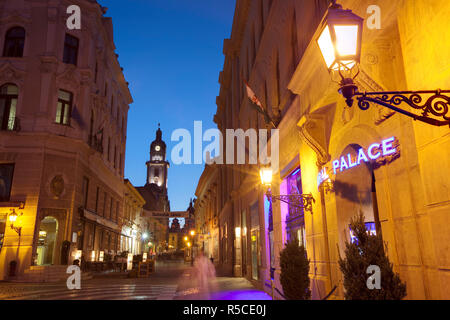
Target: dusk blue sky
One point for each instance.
(171, 52)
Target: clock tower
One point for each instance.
(157, 167)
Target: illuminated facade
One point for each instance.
(133, 225)
(155, 194)
(63, 135)
(402, 188)
(206, 212)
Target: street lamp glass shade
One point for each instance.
(340, 39)
(346, 40)
(145, 236)
(266, 176)
(326, 46)
(13, 217)
(192, 233)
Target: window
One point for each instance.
(294, 41)
(96, 199)
(120, 164)
(106, 89)
(91, 129)
(111, 209)
(117, 212)
(70, 50)
(64, 108)
(96, 71)
(14, 42)
(112, 104)
(115, 157)
(85, 191)
(109, 149)
(8, 102)
(104, 205)
(6, 176)
(295, 219)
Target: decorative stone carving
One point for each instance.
(370, 59)
(70, 76)
(9, 73)
(57, 186)
(313, 131)
(16, 17)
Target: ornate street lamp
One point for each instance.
(340, 44)
(303, 201)
(13, 218)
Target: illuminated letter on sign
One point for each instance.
(370, 151)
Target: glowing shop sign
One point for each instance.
(373, 153)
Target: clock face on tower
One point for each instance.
(157, 148)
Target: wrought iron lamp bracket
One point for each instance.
(434, 105)
(16, 229)
(303, 201)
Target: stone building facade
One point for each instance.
(206, 212)
(134, 226)
(273, 47)
(62, 149)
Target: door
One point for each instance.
(255, 253)
(46, 241)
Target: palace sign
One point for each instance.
(376, 151)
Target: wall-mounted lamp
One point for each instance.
(303, 201)
(13, 218)
(340, 44)
(237, 231)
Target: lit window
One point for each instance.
(64, 107)
(14, 42)
(8, 103)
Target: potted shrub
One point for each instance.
(368, 250)
(294, 272)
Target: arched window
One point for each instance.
(8, 103)
(14, 42)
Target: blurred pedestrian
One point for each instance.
(205, 273)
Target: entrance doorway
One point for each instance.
(255, 251)
(356, 193)
(46, 242)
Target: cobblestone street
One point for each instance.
(171, 281)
